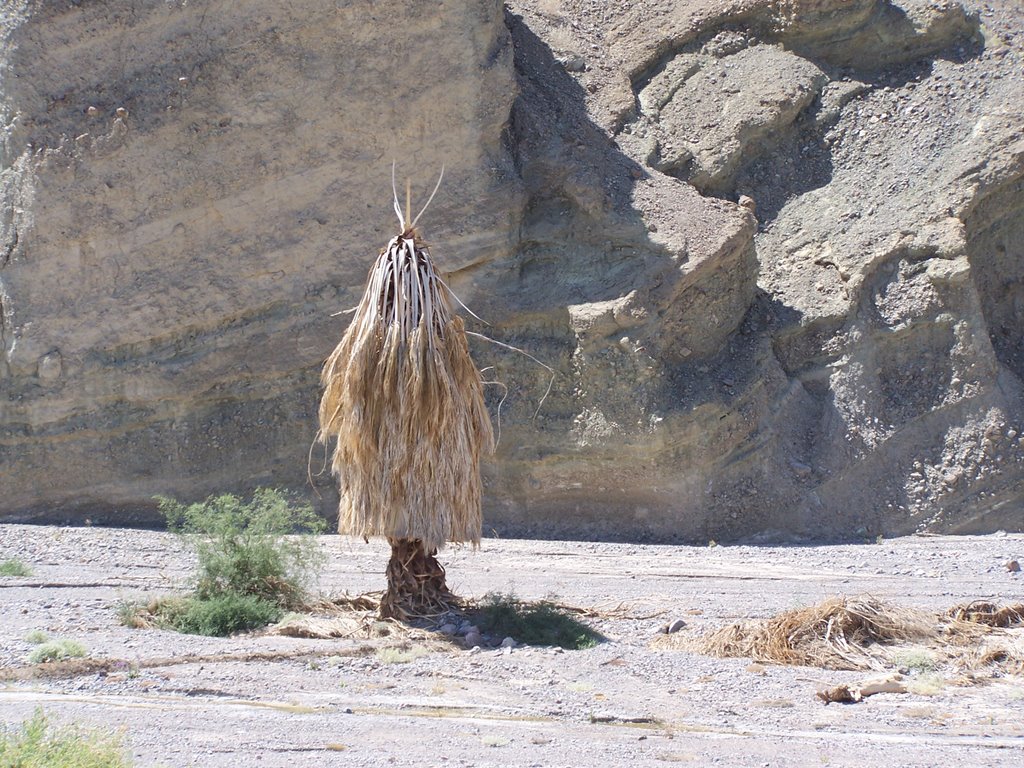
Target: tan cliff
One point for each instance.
(773, 251)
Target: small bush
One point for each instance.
(56, 650)
(213, 616)
(915, 660)
(14, 567)
(221, 615)
(248, 548)
(534, 624)
(37, 744)
(132, 613)
(36, 636)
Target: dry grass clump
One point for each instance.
(1004, 658)
(839, 633)
(348, 616)
(319, 627)
(984, 636)
(988, 614)
(865, 633)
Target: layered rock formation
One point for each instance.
(191, 191)
(771, 249)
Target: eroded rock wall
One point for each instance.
(872, 384)
(192, 190)
(771, 249)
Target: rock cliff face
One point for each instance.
(191, 190)
(773, 250)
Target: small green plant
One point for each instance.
(928, 684)
(36, 636)
(39, 744)
(914, 660)
(14, 567)
(134, 614)
(130, 669)
(534, 623)
(219, 615)
(57, 650)
(248, 548)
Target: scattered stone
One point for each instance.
(473, 639)
(447, 629)
(1013, 566)
(509, 642)
(799, 468)
(50, 366)
(574, 63)
(674, 626)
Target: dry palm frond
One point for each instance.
(988, 614)
(318, 627)
(1002, 656)
(403, 405)
(344, 604)
(837, 633)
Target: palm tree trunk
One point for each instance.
(416, 583)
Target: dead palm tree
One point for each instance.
(403, 405)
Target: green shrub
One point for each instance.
(265, 548)
(534, 623)
(219, 615)
(56, 650)
(14, 567)
(37, 744)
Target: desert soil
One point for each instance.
(269, 700)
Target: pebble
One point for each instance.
(1013, 566)
(674, 626)
(447, 629)
(575, 63)
(509, 642)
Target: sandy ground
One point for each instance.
(279, 701)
